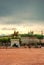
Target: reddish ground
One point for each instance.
(22, 56)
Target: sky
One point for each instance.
(21, 15)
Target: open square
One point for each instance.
(22, 56)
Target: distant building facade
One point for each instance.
(25, 40)
(42, 40)
(28, 40)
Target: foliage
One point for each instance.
(4, 40)
(25, 35)
(39, 36)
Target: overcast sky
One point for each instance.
(24, 12)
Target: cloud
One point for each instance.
(20, 21)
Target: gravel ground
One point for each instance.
(22, 56)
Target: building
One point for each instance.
(15, 42)
(33, 39)
(42, 40)
(28, 40)
(25, 40)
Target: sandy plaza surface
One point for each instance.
(22, 56)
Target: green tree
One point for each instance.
(40, 37)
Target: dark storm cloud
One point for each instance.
(21, 10)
